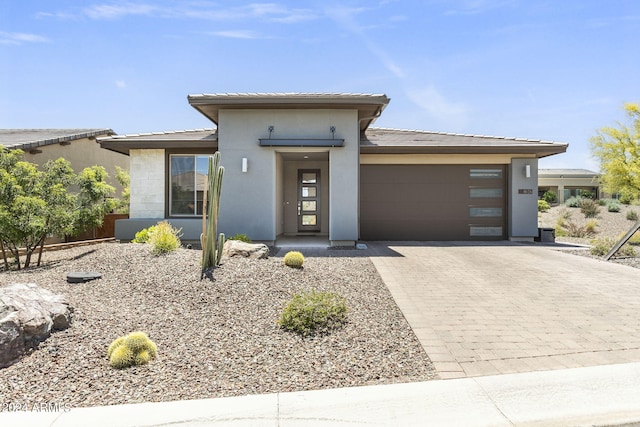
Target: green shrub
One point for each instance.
(550, 197)
(632, 215)
(241, 237)
(613, 206)
(133, 349)
(602, 202)
(589, 208)
(543, 206)
(313, 312)
(294, 259)
(142, 236)
(164, 239)
(570, 228)
(586, 194)
(600, 247)
(626, 197)
(573, 202)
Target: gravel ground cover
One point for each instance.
(611, 225)
(215, 338)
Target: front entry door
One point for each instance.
(308, 200)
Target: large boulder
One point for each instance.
(248, 250)
(28, 314)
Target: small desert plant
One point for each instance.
(241, 237)
(589, 208)
(164, 239)
(632, 215)
(543, 206)
(601, 247)
(634, 240)
(313, 312)
(142, 236)
(133, 349)
(573, 202)
(550, 197)
(613, 206)
(294, 259)
(570, 228)
(586, 194)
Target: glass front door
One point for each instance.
(308, 200)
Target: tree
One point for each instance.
(125, 197)
(37, 203)
(618, 150)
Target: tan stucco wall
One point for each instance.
(82, 153)
(437, 159)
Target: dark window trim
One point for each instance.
(167, 176)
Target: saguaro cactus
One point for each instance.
(212, 250)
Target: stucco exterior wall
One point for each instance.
(523, 200)
(82, 153)
(147, 183)
(248, 200)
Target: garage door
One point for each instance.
(432, 202)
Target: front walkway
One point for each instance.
(495, 308)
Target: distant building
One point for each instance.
(78, 146)
(567, 183)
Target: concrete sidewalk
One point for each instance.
(601, 395)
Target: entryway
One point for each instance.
(304, 194)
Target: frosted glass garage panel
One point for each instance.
(479, 231)
(485, 173)
(485, 193)
(485, 212)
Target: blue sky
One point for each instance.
(553, 70)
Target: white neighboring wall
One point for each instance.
(147, 170)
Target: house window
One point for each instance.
(188, 178)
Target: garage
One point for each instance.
(432, 202)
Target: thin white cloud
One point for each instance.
(345, 16)
(433, 103)
(114, 11)
(120, 84)
(270, 12)
(21, 38)
(238, 34)
(475, 7)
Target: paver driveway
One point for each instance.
(488, 308)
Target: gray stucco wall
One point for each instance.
(249, 200)
(523, 199)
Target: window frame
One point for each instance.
(167, 193)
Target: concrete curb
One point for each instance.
(600, 395)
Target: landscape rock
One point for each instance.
(247, 250)
(28, 314)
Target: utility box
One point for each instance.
(546, 235)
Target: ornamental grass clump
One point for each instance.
(133, 349)
(294, 259)
(164, 238)
(309, 313)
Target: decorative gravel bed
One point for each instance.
(215, 338)
(611, 225)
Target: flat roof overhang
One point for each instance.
(369, 106)
(123, 146)
(538, 151)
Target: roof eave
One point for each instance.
(538, 151)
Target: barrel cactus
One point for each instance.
(294, 259)
(133, 349)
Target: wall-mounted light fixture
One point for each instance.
(527, 171)
(245, 165)
(270, 128)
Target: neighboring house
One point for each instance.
(567, 183)
(310, 164)
(78, 146)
